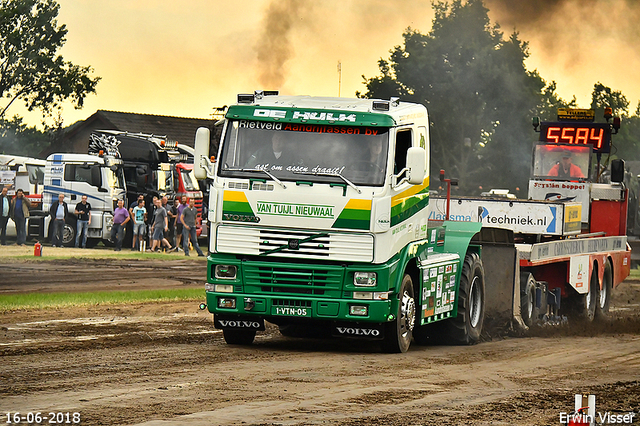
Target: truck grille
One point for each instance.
(292, 280)
(251, 240)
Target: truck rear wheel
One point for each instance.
(584, 305)
(398, 333)
(466, 327)
(604, 298)
(238, 336)
(528, 306)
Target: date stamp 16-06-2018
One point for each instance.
(36, 418)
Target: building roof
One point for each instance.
(180, 129)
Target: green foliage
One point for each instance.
(16, 138)
(478, 92)
(31, 70)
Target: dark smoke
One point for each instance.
(566, 29)
(275, 47)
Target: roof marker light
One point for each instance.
(381, 105)
(246, 99)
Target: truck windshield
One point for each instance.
(189, 180)
(561, 162)
(308, 152)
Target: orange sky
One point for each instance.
(185, 58)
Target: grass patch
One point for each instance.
(58, 300)
(635, 273)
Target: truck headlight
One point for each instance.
(359, 310)
(365, 279)
(226, 272)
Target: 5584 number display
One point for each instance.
(596, 134)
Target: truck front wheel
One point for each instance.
(238, 336)
(398, 333)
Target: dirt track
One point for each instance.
(164, 364)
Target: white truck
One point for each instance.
(74, 175)
(319, 222)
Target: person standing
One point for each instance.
(171, 220)
(120, 218)
(83, 211)
(188, 219)
(20, 206)
(5, 209)
(134, 240)
(159, 227)
(139, 215)
(181, 206)
(58, 212)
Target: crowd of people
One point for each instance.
(167, 225)
(171, 226)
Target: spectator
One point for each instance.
(171, 220)
(5, 209)
(183, 204)
(83, 211)
(120, 219)
(160, 225)
(188, 219)
(19, 212)
(139, 218)
(58, 212)
(131, 207)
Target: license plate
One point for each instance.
(290, 311)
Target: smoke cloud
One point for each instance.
(567, 37)
(275, 45)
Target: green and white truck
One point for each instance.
(318, 213)
(319, 224)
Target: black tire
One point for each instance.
(584, 305)
(398, 333)
(528, 307)
(466, 327)
(604, 294)
(238, 336)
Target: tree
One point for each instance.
(31, 70)
(626, 144)
(478, 92)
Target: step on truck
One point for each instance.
(319, 224)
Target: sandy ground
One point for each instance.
(165, 364)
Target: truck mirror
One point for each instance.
(617, 170)
(200, 165)
(417, 164)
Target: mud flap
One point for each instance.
(360, 331)
(238, 323)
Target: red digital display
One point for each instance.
(598, 135)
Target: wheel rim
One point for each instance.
(68, 234)
(604, 291)
(408, 310)
(530, 303)
(475, 302)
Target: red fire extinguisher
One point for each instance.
(37, 249)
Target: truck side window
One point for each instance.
(403, 143)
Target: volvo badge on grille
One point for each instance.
(294, 244)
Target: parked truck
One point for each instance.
(152, 165)
(319, 220)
